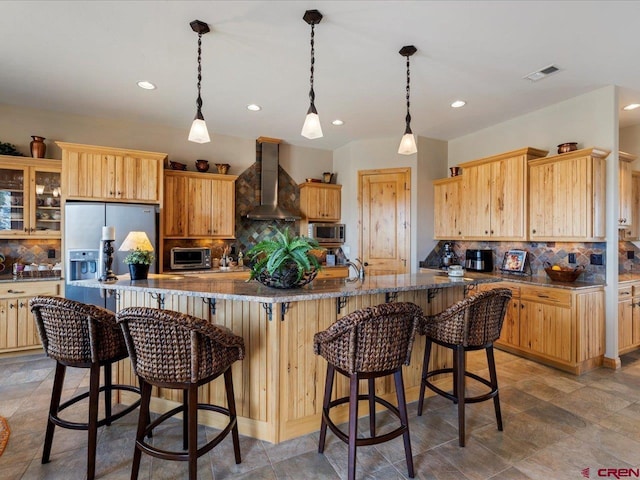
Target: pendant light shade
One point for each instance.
(198, 132)
(408, 143)
(312, 128)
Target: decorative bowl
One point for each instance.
(223, 168)
(177, 166)
(202, 165)
(286, 279)
(567, 147)
(564, 274)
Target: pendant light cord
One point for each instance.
(312, 95)
(199, 100)
(408, 117)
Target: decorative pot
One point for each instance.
(202, 165)
(38, 148)
(138, 271)
(288, 278)
(455, 171)
(177, 165)
(567, 147)
(223, 168)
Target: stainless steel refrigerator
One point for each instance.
(82, 234)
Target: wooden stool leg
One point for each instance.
(231, 402)
(56, 393)
(185, 419)
(425, 369)
(353, 423)
(328, 387)
(494, 385)
(107, 394)
(456, 370)
(404, 418)
(193, 431)
(460, 391)
(372, 406)
(94, 393)
(143, 422)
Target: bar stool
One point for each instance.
(471, 324)
(83, 336)
(177, 351)
(366, 344)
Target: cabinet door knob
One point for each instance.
(15, 291)
(533, 231)
(486, 232)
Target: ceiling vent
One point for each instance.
(542, 73)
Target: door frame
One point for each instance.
(407, 172)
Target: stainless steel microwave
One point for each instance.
(190, 258)
(327, 232)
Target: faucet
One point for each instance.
(358, 266)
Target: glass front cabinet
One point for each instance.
(30, 198)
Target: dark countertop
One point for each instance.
(209, 285)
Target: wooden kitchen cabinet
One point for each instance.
(567, 196)
(625, 190)
(628, 317)
(105, 173)
(199, 205)
(17, 327)
(563, 328)
(633, 231)
(447, 204)
(494, 190)
(29, 198)
(320, 202)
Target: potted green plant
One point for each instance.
(139, 261)
(284, 260)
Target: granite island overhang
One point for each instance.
(279, 385)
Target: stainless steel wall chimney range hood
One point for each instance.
(269, 208)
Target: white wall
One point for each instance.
(428, 164)
(18, 124)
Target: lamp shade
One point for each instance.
(407, 144)
(136, 240)
(311, 128)
(199, 132)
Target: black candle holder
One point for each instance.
(108, 275)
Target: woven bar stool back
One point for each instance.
(174, 350)
(367, 344)
(82, 336)
(471, 324)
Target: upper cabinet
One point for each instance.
(198, 205)
(633, 232)
(625, 182)
(29, 198)
(567, 196)
(448, 208)
(320, 202)
(105, 173)
(494, 190)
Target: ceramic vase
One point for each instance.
(38, 148)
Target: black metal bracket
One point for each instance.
(160, 298)
(468, 288)
(390, 297)
(341, 302)
(268, 307)
(431, 293)
(212, 304)
(284, 309)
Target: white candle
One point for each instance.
(108, 233)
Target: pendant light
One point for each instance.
(408, 142)
(312, 128)
(198, 132)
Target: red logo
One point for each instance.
(585, 472)
(615, 473)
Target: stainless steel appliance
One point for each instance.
(83, 231)
(186, 258)
(479, 260)
(327, 232)
(448, 257)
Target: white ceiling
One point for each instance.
(85, 57)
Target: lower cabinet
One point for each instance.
(628, 317)
(17, 328)
(562, 328)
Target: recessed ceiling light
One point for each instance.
(542, 73)
(253, 107)
(146, 85)
(632, 106)
(458, 104)
(337, 122)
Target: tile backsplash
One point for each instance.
(538, 254)
(29, 251)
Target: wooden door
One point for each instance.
(223, 208)
(507, 198)
(634, 229)
(137, 178)
(447, 213)
(510, 333)
(625, 321)
(175, 206)
(199, 211)
(384, 197)
(331, 204)
(477, 198)
(15, 197)
(625, 192)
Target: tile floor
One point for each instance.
(556, 425)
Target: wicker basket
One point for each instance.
(285, 279)
(564, 275)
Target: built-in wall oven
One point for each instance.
(327, 232)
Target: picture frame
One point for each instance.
(514, 261)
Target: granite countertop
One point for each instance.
(542, 281)
(207, 285)
(10, 278)
(628, 277)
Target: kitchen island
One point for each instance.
(279, 384)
